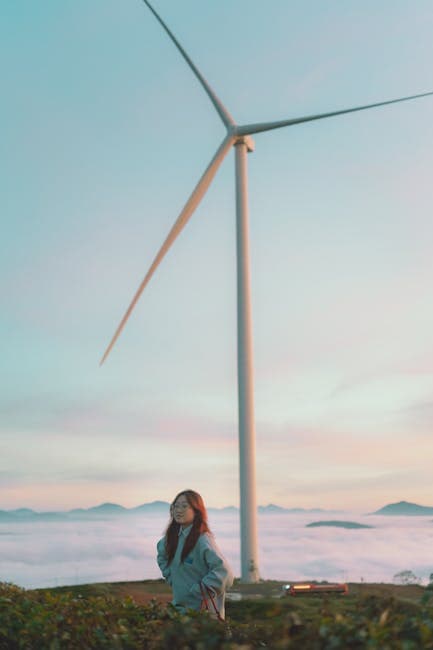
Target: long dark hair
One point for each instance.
(199, 525)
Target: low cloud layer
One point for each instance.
(49, 554)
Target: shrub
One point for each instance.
(45, 620)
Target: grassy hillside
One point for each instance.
(136, 615)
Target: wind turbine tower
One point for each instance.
(238, 136)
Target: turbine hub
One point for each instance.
(247, 140)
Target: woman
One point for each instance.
(190, 560)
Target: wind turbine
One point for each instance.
(238, 136)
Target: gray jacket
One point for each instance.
(204, 564)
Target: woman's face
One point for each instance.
(183, 514)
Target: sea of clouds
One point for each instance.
(46, 554)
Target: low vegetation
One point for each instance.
(104, 616)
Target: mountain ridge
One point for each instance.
(107, 509)
(114, 509)
(405, 509)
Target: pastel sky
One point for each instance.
(105, 132)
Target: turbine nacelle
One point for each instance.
(247, 140)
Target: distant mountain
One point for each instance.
(337, 524)
(115, 510)
(154, 506)
(226, 509)
(108, 509)
(25, 514)
(272, 508)
(404, 508)
(14, 515)
(96, 512)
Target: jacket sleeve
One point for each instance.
(219, 577)
(162, 560)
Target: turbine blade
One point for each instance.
(219, 106)
(249, 129)
(182, 220)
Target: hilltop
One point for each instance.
(404, 508)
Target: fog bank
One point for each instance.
(45, 554)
